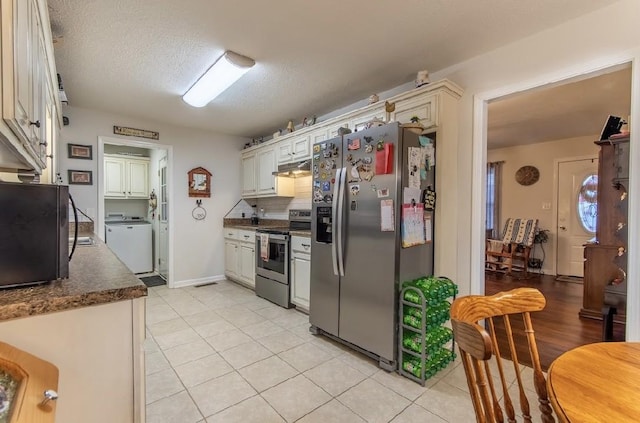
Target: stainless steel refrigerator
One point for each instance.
(357, 260)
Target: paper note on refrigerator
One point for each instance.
(428, 234)
(414, 163)
(412, 225)
(387, 221)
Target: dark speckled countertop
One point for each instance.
(96, 276)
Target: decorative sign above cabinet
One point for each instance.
(199, 182)
(133, 132)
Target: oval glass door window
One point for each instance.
(588, 203)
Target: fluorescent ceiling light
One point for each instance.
(224, 72)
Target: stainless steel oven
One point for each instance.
(273, 263)
(272, 258)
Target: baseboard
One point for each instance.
(199, 281)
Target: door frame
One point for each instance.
(479, 173)
(102, 140)
(554, 204)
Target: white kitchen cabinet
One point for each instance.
(318, 135)
(300, 271)
(342, 122)
(240, 256)
(126, 177)
(293, 149)
(266, 184)
(266, 166)
(27, 84)
(249, 188)
(424, 108)
(247, 265)
(359, 121)
(231, 258)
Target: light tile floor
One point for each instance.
(218, 353)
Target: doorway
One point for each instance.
(158, 159)
(482, 106)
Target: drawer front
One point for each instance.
(301, 244)
(246, 236)
(230, 233)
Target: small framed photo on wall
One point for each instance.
(80, 177)
(78, 151)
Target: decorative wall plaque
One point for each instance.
(199, 182)
(133, 132)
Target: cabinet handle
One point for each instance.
(44, 143)
(246, 236)
(306, 245)
(49, 395)
(36, 123)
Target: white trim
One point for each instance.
(199, 281)
(102, 140)
(479, 142)
(554, 203)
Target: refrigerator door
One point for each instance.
(368, 288)
(325, 274)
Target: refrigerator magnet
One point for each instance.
(355, 189)
(354, 205)
(326, 186)
(368, 148)
(383, 192)
(323, 146)
(368, 139)
(353, 144)
(316, 148)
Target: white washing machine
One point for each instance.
(132, 242)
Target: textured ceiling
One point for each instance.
(573, 109)
(138, 57)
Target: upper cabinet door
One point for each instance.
(301, 147)
(423, 108)
(249, 175)
(17, 111)
(138, 178)
(27, 70)
(114, 177)
(266, 166)
(285, 151)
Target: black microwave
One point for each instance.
(34, 233)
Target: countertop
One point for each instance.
(96, 276)
(264, 224)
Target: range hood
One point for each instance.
(294, 170)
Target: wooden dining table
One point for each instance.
(597, 383)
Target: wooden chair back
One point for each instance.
(478, 346)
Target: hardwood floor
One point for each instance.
(558, 328)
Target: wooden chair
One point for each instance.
(513, 250)
(477, 347)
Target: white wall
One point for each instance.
(602, 37)
(526, 201)
(197, 245)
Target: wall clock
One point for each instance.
(527, 175)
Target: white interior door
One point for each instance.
(577, 213)
(163, 226)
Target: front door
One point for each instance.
(163, 227)
(577, 213)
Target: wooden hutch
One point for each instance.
(605, 262)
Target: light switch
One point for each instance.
(546, 206)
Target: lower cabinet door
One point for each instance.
(231, 258)
(300, 280)
(248, 264)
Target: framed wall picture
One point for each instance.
(80, 177)
(78, 151)
(199, 182)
